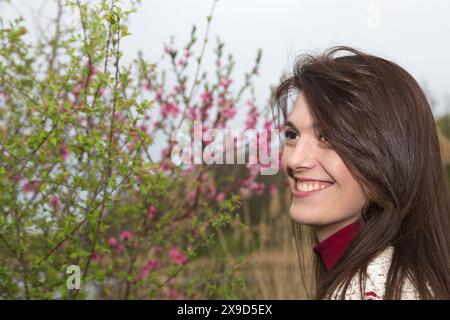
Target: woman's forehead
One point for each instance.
(300, 116)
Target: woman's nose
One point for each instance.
(300, 156)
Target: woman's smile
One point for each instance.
(305, 186)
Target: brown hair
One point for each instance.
(377, 118)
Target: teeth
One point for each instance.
(310, 186)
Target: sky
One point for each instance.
(412, 33)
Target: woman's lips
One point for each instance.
(323, 185)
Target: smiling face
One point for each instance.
(324, 192)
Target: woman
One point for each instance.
(370, 205)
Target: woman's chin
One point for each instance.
(304, 218)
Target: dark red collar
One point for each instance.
(332, 248)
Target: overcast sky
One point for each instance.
(411, 33)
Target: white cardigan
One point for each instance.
(374, 289)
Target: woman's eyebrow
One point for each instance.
(288, 123)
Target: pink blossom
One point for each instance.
(170, 51)
(170, 109)
(147, 268)
(165, 152)
(177, 256)
(206, 97)
(61, 107)
(259, 189)
(77, 89)
(191, 113)
(252, 115)
(95, 256)
(191, 196)
(144, 128)
(220, 196)
(212, 190)
(272, 189)
(148, 86)
(54, 202)
(152, 264)
(112, 242)
(32, 186)
(159, 95)
(229, 113)
(63, 151)
(152, 212)
(267, 125)
(224, 83)
(125, 236)
(250, 123)
(165, 166)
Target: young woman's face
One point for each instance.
(324, 193)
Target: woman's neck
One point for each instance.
(324, 232)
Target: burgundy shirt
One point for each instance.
(333, 247)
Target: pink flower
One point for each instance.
(170, 51)
(143, 127)
(152, 212)
(61, 107)
(54, 202)
(191, 196)
(152, 264)
(112, 242)
(63, 151)
(32, 186)
(148, 86)
(250, 123)
(125, 236)
(170, 109)
(178, 88)
(212, 190)
(229, 113)
(252, 115)
(77, 89)
(147, 268)
(165, 166)
(177, 256)
(95, 256)
(220, 196)
(191, 113)
(206, 97)
(224, 83)
(272, 189)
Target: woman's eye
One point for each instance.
(322, 138)
(290, 134)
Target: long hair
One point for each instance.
(377, 118)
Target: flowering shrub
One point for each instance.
(80, 183)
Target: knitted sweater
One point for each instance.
(374, 288)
